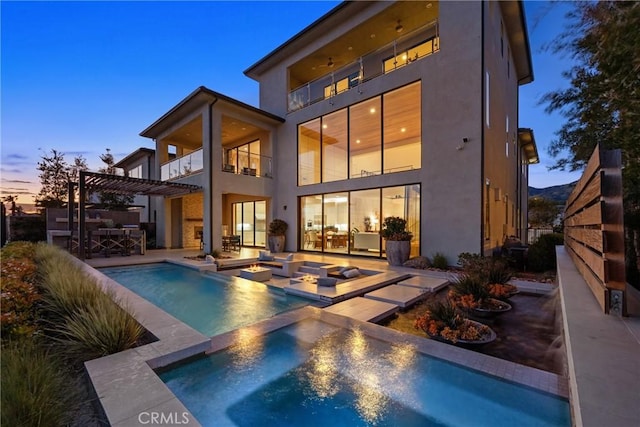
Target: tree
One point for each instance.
(602, 104)
(542, 212)
(112, 201)
(55, 174)
(12, 200)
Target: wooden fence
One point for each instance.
(594, 229)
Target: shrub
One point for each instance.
(468, 292)
(439, 261)
(395, 228)
(36, 391)
(278, 227)
(488, 270)
(28, 228)
(18, 250)
(542, 254)
(467, 259)
(18, 308)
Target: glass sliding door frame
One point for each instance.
(249, 222)
(322, 221)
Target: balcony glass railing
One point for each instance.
(403, 51)
(248, 164)
(182, 166)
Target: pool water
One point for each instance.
(315, 374)
(211, 303)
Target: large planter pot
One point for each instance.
(398, 251)
(490, 336)
(497, 307)
(276, 243)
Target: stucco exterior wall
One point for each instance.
(501, 164)
(450, 178)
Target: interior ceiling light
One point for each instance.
(399, 27)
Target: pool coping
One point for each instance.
(127, 386)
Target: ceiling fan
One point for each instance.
(329, 64)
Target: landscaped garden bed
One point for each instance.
(527, 327)
(54, 318)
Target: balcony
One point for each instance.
(402, 52)
(182, 166)
(248, 164)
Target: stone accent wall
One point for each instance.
(192, 212)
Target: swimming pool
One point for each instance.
(314, 373)
(210, 303)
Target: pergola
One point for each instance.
(116, 184)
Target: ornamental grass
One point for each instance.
(84, 321)
(36, 390)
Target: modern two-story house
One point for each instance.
(376, 109)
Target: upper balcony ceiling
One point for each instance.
(233, 130)
(380, 30)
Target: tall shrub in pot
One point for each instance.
(398, 240)
(277, 230)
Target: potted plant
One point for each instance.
(471, 294)
(443, 322)
(494, 272)
(398, 240)
(277, 230)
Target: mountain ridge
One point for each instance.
(557, 193)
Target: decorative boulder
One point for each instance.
(420, 262)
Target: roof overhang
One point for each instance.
(140, 153)
(194, 101)
(516, 25)
(318, 27)
(528, 145)
(124, 185)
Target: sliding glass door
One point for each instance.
(350, 222)
(249, 222)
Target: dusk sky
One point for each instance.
(81, 77)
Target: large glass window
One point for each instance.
(245, 158)
(348, 143)
(309, 153)
(334, 146)
(365, 135)
(402, 133)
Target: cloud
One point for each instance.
(16, 181)
(5, 170)
(17, 157)
(16, 192)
